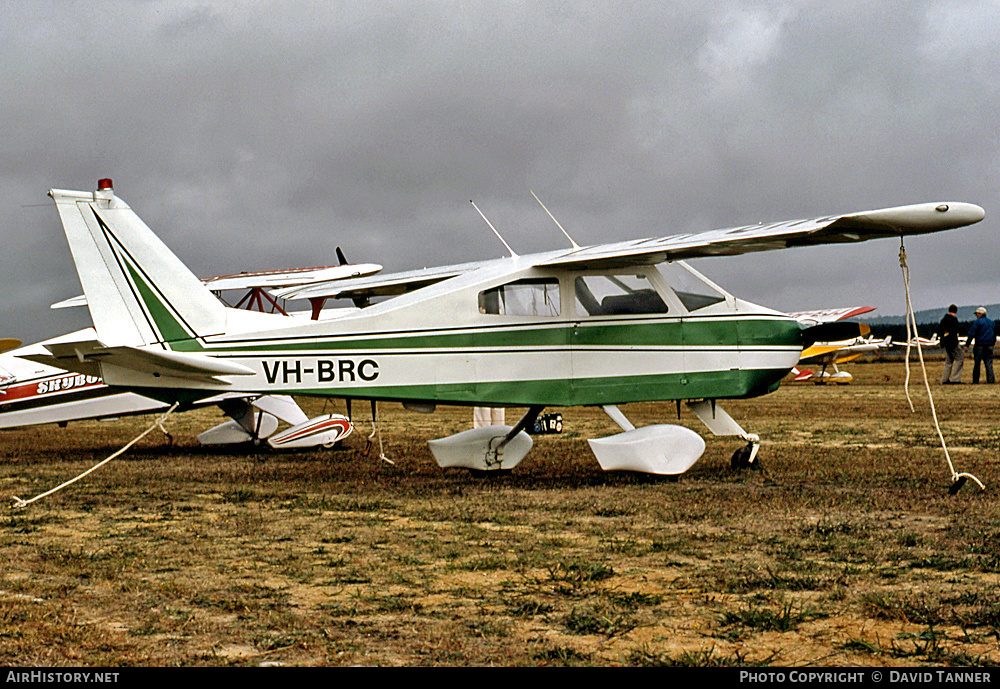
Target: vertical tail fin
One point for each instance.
(137, 290)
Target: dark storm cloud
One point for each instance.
(263, 135)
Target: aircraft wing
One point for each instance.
(267, 279)
(835, 229)
(389, 284)
(835, 353)
(819, 354)
(808, 318)
(855, 227)
(275, 279)
(934, 341)
(32, 393)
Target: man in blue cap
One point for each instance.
(981, 340)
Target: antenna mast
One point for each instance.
(575, 245)
(512, 253)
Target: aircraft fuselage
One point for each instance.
(517, 338)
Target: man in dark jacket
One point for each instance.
(981, 339)
(954, 356)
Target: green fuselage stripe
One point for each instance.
(720, 332)
(690, 358)
(586, 391)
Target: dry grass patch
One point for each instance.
(845, 550)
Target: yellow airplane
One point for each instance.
(828, 354)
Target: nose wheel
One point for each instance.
(746, 457)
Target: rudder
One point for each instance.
(137, 290)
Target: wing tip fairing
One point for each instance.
(862, 226)
(922, 217)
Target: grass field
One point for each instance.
(845, 550)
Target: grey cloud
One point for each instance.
(263, 136)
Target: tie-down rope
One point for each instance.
(376, 434)
(958, 479)
(18, 503)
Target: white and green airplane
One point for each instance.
(601, 325)
(33, 393)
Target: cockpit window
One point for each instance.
(691, 288)
(615, 295)
(531, 297)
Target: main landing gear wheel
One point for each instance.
(746, 457)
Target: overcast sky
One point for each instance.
(261, 135)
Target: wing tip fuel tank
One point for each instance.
(925, 217)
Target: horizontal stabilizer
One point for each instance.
(180, 364)
(79, 300)
(84, 356)
(70, 356)
(165, 362)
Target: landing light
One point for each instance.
(942, 208)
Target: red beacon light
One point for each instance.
(105, 184)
